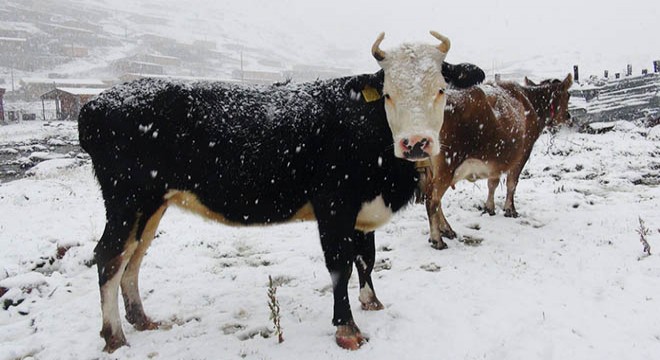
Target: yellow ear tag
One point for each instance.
(370, 94)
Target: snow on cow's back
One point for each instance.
(130, 94)
(503, 104)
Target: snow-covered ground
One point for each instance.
(566, 280)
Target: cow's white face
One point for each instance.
(414, 91)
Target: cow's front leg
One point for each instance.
(438, 223)
(338, 243)
(365, 257)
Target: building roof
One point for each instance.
(73, 91)
(87, 82)
(132, 76)
(13, 39)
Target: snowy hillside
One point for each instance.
(566, 280)
(514, 38)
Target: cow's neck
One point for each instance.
(541, 99)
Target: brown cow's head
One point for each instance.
(414, 91)
(560, 96)
(557, 95)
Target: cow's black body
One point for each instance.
(254, 155)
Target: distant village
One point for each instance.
(38, 36)
(41, 41)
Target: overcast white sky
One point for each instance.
(491, 33)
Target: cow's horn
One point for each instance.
(375, 48)
(445, 45)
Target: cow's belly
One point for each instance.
(372, 215)
(190, 202)
(473, 170)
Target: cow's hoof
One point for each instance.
(349, 337)
(449, 234)
(510, 213)
(488, 211)
(372, 305)
(438, 245)
(113, 343)
(147, 325)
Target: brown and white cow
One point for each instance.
(489, 130)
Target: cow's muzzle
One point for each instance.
(416, 148)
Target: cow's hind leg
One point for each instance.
(129, 281)
(511, 184)
(112, 253)
(365, 257)
(490, 201)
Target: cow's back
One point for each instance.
(149, 137)
(485, 122)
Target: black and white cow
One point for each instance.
(246, 155)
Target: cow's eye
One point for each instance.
(386, 96)
(441, 91)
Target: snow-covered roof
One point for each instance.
(19, 26)
(162, 56)
(73, 91)
(81, 91)
(34, 80)
(12, 39)
(70, 28)
(176, 77)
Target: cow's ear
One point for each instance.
(568, 81)
(462, 75)
(448, 71)
(529, 82)
(369, 86)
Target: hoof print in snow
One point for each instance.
(471, 240)
(534, 223)
(48, 264)
(257, 262)
(474, 226)
(383, 264)
(431, 267)
(385, 248)
(263, 331)
(175, 320)
(229, 329)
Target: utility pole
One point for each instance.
(11, 70)
(242, 76)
